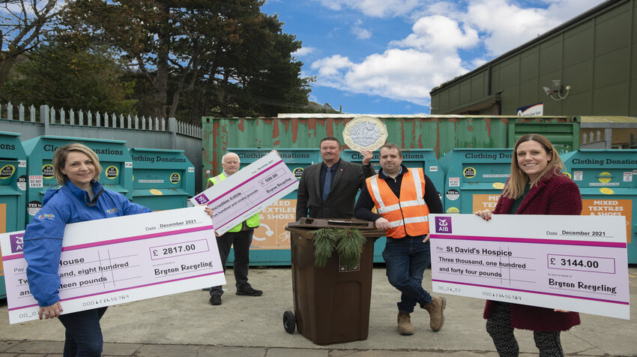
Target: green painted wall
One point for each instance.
(440, 133)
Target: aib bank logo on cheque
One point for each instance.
(443, 225)
(17, 243)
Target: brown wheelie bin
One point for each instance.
(331, 303)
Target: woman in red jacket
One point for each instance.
(536, 186)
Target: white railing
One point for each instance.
(97, 119)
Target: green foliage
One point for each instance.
(185, 59)
(347, 242)
(74, 76)
(350, 247)
(325, 240)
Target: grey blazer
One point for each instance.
(350, 177)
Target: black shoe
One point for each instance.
(215, 300)
(250, 292)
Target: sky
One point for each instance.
(385, 56)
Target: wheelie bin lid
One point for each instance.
(306, 224)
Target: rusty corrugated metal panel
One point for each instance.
(440, 133)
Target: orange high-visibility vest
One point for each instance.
(407, 215)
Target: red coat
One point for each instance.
(555, 194)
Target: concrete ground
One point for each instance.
(186, 325)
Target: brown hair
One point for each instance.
(519, 179)
(391, 146)
(59, 160)
(330, 138)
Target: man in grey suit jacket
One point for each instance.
(342, 180)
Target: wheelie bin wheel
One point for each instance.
(289, 322)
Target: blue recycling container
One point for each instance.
(117, 167)
(475, 178)
(607, 180)
(13, 185)
(162, 179)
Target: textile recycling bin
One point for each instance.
(422, 158)
(475, 178)
(271, 242)
(13, 186)
(331, 304)
(162, 179)
(117, 167)
(607, 180)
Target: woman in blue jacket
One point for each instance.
(81, 198)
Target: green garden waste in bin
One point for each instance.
(418, 158)
(162, 179)
(271, 242)
(13, 185)
(475, 178)
(117, 167)
(331, 303)
(607, 180)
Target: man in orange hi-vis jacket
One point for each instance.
(403, 199)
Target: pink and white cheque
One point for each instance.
(576, 263)
(248, 191)
(119, 260)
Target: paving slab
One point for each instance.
(295, 352)
(199, 351)
(254, 324)
(36, 347)
(5, 345)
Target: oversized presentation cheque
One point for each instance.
(575, 263)
(118, 260)
(248, 191)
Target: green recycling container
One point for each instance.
(13, 186)
(416, 158)
(117, 167)
(162, 179)
(608, 183)
(475, 178)
(271, 242)
(565, 137)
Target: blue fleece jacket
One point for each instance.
(43, 236)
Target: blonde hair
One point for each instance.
(59, 161)
(519, 179)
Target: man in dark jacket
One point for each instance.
(328, 189)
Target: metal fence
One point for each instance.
(50, 115)
(139, 132)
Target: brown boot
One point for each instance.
(436, 312)
(404, 324)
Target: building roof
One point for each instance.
(603, 121)
(538, 39)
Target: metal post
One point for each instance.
(172, 127)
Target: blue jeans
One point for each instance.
(83, 333)
(405, 261)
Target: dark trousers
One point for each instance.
(499, 327)
(405, 262)
(83, 333)
(241, 241)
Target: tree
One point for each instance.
(69, 75)
(162, 39)
(278, 86)
(23, 24)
